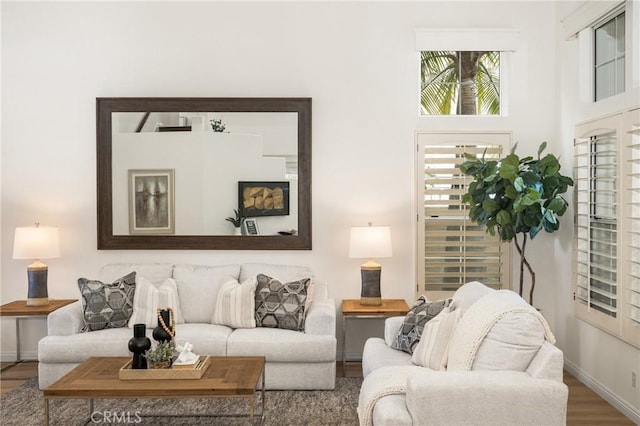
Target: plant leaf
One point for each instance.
(509, 167)
(541, 148)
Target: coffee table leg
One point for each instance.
(264, 394)
(46, 411)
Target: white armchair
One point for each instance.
(397, 392)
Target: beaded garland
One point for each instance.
(171, 332)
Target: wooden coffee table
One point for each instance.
(228, 377)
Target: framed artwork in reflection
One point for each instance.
(151, 201)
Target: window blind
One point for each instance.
(607, 224)
(455, 250)
(633, 234)
(596, 221)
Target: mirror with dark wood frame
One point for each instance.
(176, 144)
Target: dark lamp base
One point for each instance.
(37, 294)
(370, 294)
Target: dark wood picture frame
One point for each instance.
(255, 206)
(106, 240)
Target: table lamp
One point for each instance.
(370, 242)
(36, 242)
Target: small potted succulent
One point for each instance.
(236, 220)
(161, 356)
(217, 125)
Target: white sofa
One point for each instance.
(294, 360)
(397, 392)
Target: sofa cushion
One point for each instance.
(281, 272)
(415, 320)
(198, 288)
(235, 306)
(107, 305)
(433, 348)
(279, 345)
(280, 304)
(148, 299)
(79, 347)
(514, 340)
(207, 339)
(154, 272)
(376, 354)
(468, 294)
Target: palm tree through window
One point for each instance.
(460, 83)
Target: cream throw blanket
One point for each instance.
(378, 384)
(478, 321)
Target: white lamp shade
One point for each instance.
(36, 242)
(370, 242)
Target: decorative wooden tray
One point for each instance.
(183, 372)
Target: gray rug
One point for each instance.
(25, 406)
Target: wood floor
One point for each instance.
(585, 406)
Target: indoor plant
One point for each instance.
(160, 356)
(236, 220)
(516, 196)
(217, 125)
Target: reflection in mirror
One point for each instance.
(172, 171)
(207, 168)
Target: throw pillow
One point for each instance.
(281, 305)
(514, 340)
(235, 306)
(433, 348)
(107, 305)
(415, 320)
(148, 299)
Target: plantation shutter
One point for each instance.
(596, 222)
(452, 249)
(631, 323)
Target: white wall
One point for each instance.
(356, 60)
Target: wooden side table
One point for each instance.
(352, 309)
(19, 310)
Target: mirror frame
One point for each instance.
(108, 241)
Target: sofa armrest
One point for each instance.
(487, 397)
(65, 321)
(391, 329)
(321, 318)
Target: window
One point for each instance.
(609, 58)
(607, 224)
(453, 250)
(460, 82)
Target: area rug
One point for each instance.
(25, 406)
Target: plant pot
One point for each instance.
(156, 365)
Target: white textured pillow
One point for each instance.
(147, 299)
(511, 344)
(235, 306)
(433, 348)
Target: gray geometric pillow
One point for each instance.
(281, 305)
(411, 330)
(107, 305)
